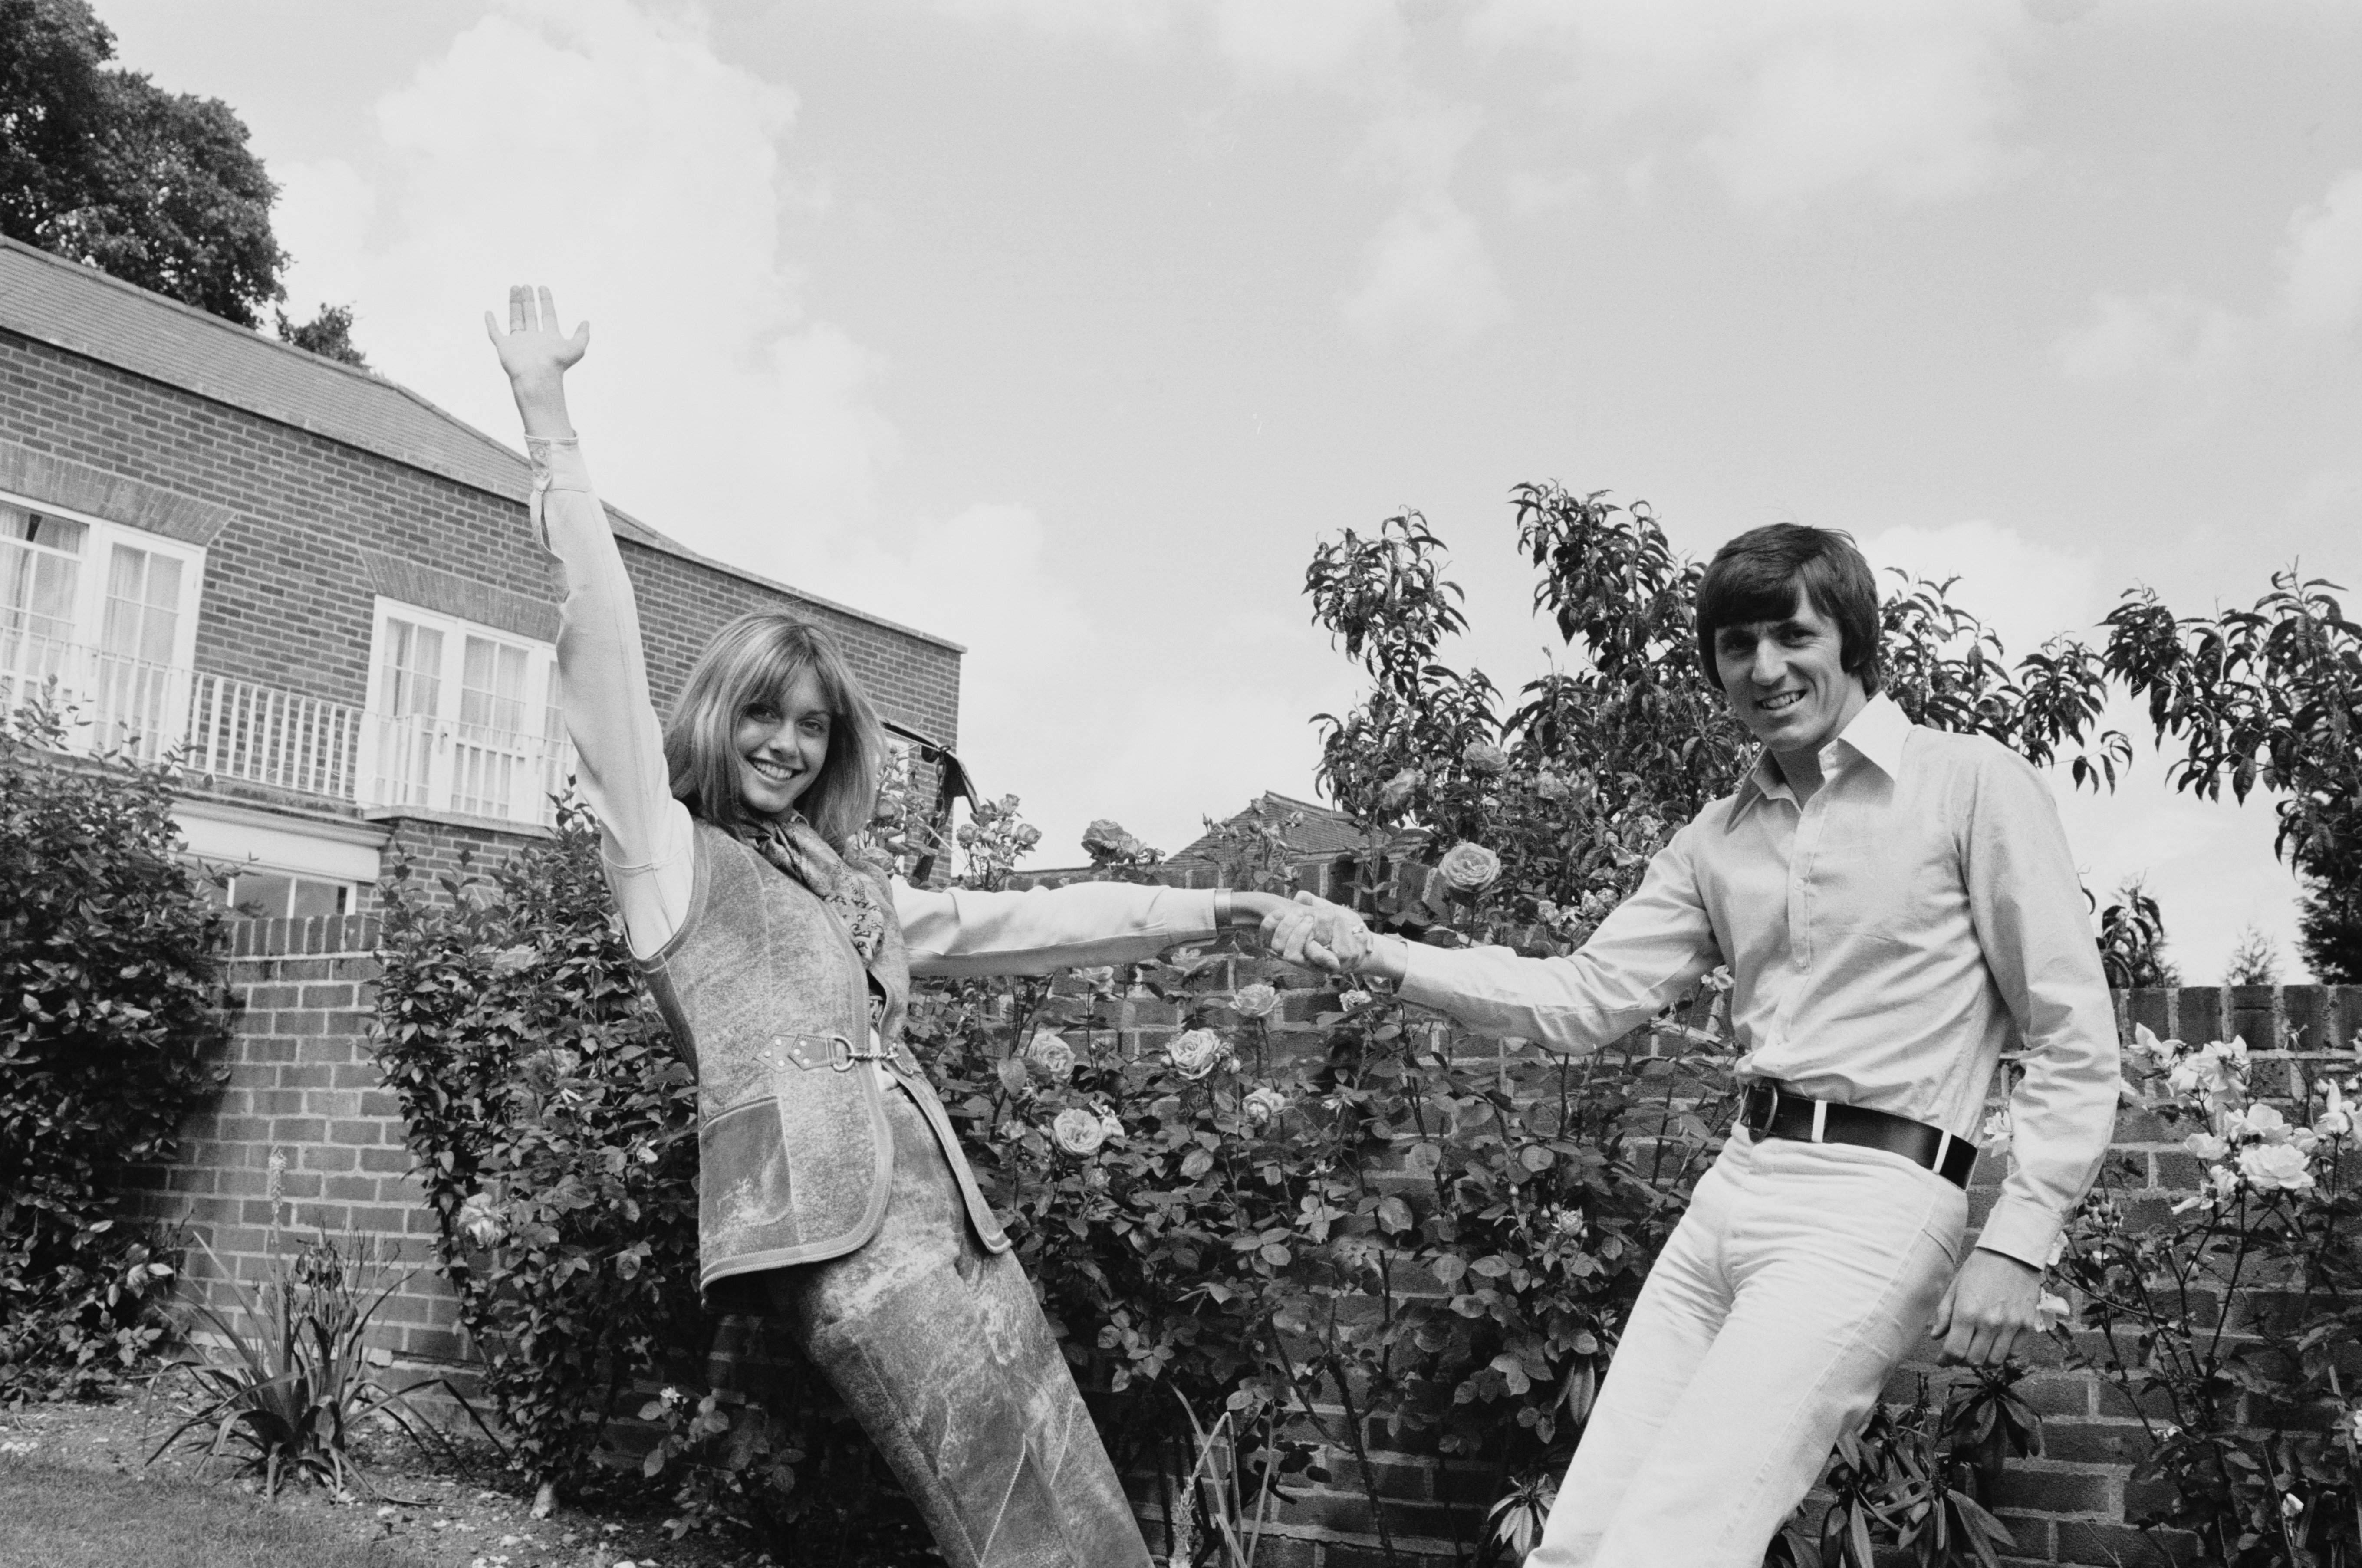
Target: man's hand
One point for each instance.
(536, 356)
(1992, 1300)
(1319, 934)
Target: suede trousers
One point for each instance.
(1798, 1280)
(940, 1349)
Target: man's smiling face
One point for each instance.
(1786, 680)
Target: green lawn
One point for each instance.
(52, 1515)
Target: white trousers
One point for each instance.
(1801, 1274)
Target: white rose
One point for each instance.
(1111, 1125)
(1078, 1131)
(1197, 1054)
(2206, 1147)
(2271, 1167)
(1484, 759)
(1053, 1056)
(2264, 1124)
(1396, 792)
(479, 1220)
(1996, 1134)
(1257, 1000)
(1352, 999)
(1263, 1104)
(1469, 868)
(2337, 1118)
(2051, 1312)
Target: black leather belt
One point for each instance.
(1772, 1112)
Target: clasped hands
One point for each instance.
(1316, 934)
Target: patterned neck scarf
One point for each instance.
(797, 848)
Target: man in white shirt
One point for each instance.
(1897, 906)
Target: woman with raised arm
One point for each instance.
(828, 1175)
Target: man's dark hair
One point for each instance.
(1758, 576)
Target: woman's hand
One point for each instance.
(536, 356)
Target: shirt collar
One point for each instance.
(1876, 734)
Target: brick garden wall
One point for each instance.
(304, 1138)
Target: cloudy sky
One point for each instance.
(1064, 328)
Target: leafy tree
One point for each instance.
(100, 165)
(329, 334)
(114, 1021)
(1590, 771)
(2255, 959)
(2132, 940)
(2269, 696)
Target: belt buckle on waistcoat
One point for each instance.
(809, 1051)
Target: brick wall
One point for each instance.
(305, 1138)
(304, 1093)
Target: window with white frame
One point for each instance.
(109, 613)
(463, 718)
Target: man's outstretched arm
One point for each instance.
(1655, 946)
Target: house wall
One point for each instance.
(309, 527)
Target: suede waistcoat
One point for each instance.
(769, 1000)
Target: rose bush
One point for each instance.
(2228, 1324)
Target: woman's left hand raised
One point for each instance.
(536, 355)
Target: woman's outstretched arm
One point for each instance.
(602, 677)
(954, 931)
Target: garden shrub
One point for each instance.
(111, 1035)
(554, 1126)
(2229, 1324)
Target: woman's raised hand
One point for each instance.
(536, 356)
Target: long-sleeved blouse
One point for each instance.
(646, 834)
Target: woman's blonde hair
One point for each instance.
(755, 659)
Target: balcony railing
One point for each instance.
(223, 728)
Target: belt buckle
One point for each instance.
(841, 1054)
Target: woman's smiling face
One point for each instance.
(1786, 680)
(782, 744)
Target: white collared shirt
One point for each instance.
(1887, 941)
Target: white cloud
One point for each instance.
(1285, 40)
(1121, 21)
(1275, 42)
(1787, 104)
(2323, 261)
(2192, 351)
(603, 148)
(1428, 280)
(2027, 590)
(2197, 353)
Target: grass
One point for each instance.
(61, 1516)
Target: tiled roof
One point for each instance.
(85, 312)
(1323, 831)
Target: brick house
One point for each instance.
(323, 584)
